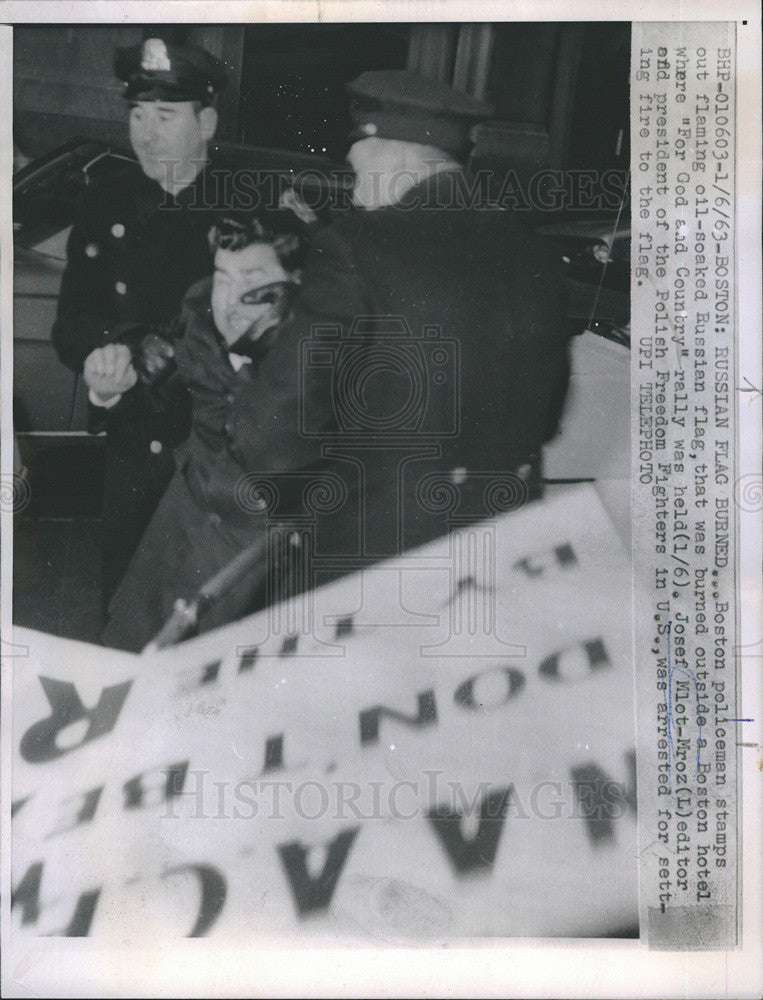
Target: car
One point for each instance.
(597, 254)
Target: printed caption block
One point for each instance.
(684, 525)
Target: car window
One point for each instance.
(54, 245)
(45, 196)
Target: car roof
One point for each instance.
(318, 170)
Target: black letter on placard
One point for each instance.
(19, 804)
(515, 681)
(563, 554)
(27, 896)
(248, 659)
(273, 753)
(89, 803)
(27, 893)
(369, 718)
(345, 626)
(289, 645)
(629, 793)
(38, 744)
(600, 798)
(209, 672)
(274, 756)
(315, 893)
(79, 925)
(188, 680)
(150, 788)
(480, 850)
(554, 667)
(213, 893)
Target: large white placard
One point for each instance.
(441, 747)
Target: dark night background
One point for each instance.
(560, 91)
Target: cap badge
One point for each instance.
(369, 128)
(155, 55)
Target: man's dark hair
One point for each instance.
(280, 230)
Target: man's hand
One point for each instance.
(109, 372)
(294, 202)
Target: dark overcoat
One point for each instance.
(424, 367)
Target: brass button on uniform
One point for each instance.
(155, 447)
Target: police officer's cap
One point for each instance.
(396, 104)
(156, 70)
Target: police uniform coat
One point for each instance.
(133, 252)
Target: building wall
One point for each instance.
(64, 84)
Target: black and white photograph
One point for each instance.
(148, 158)
(372, 498)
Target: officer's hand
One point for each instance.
(154, 358)
(108, 370)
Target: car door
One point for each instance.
(48, 399)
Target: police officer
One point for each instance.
(139, 241)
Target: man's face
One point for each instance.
(170, 139)
(385, 169)
(236, 273)
(372, 180)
